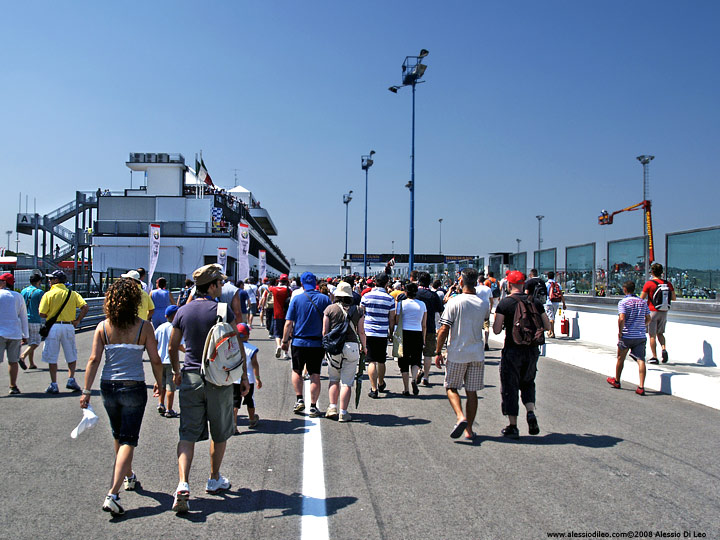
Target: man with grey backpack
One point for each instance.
(205, 398)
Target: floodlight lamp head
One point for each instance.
(394, 89)
(372, 152)
(423, 53)
(645, 159)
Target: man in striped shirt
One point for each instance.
(379, 318)
(633, 318)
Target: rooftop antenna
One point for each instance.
(236, 180)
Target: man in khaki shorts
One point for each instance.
(463, 320)
(201, 403)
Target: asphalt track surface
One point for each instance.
(606, 460)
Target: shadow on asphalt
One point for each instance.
(43, 395)
(388, 420)
(240, 501)
(587, 440)
(284, 427)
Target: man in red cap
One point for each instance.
(518, 363)
(13, 326)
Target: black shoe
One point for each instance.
(419, 377)
(653, 360)
(14, 390)
(382, 387)
(415, 388)
(533, 427)
(511, 432)
(487, 347)
(373, 394)
(23, 365)
(664, 356)
(425, 382)
(406, 393)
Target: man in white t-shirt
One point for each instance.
(251, 288)
(485, 293)
(463, 320)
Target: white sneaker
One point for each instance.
(346, 417)
(112, 505)
(216, 486)
(182, 494)
(129, 482)
(278, 352)
(331, 413)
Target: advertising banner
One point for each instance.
(222, 259)
(154, 236)
(262, 264)
(243, 251)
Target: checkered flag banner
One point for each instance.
(217, 213)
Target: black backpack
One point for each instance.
(334, 341)
(527, 325)
(540, 291)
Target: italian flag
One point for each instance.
(202, 172)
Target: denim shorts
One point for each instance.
(125, 405)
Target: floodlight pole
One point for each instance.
(366, 162)
(346, 201)
(539, 218)
(440, 222)
(645, 160)
(411, 252)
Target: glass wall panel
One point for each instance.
(626, 259)
(580, 268)
(495, 265)
(693, 262)
(545, 261)
(518, 261)
(481, 264)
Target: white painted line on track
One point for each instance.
(314, 524)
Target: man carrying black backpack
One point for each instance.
(525, 321)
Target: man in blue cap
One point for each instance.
(303, 324)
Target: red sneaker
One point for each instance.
(640, 391)
(612, 382)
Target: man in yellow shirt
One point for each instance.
(147, 306)
(63, 331)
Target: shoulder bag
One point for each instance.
(48, 324)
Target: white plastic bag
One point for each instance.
(89, 419)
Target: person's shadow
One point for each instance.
(388, 420)
(240, 501)
(587, 440)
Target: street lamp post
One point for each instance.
(645, 160)
(539, 218)
(440, 222)
(412, 72)
(366, 163)
(346, 201)
(518, 242)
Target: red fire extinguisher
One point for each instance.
(564, 325)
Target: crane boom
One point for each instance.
(607, 219)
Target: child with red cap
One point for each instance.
(253, 373)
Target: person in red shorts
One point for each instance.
(658, 293)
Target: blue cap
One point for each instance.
(171, 310)
(308, 280)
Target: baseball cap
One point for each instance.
(131, 274)
(57, 274)
(308, 281)
(515, 277)
(283, 277)
(8, 278)
(243, 329)
(207, 274)
(171, 310)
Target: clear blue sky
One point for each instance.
(529, 108)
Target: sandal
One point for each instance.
(170, 414)
(458, 429)
(161, 409)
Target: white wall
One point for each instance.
(165, 179)
(691, 337)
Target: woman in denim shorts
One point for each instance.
(123, 337)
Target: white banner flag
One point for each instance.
(154, 234)
(262, 263)
(222, 259)
(243, 251)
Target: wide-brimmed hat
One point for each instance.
(208, 274)
(343, 289)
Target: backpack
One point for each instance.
(527, 325)
(661, 296)
(334, 341)
(222, 359)
(555, 292)
(540, 291)
(494, 289)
